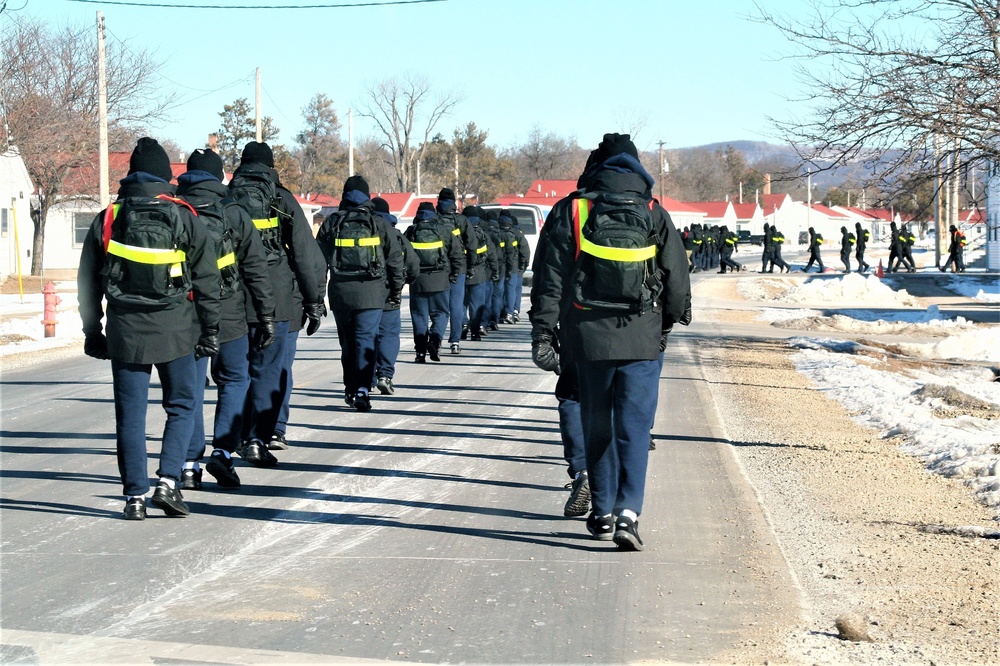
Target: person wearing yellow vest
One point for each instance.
(146, 255)
(612, 280)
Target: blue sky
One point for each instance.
(698, 72)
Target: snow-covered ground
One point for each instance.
(940, 398)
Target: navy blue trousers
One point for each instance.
(430, 313)
(618, 406)
(570, 421)
(356, 330)
(496, 300)
(268, 382)
(387, 343)
(231, 374)
(478, 293)
(456, 309)
(291, 345)
(512, 293)
(131, 387)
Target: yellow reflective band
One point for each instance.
(779, 239)
(502, 244)
(609, 253)
(269, 223)
(697, 242)
(456, 232)
(145, 255)
(361, 242)
(483, 249)
(428, 246)
(514, 243)
(227, 260)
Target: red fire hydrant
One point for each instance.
(51, 301)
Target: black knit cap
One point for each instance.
(446, 194)
(472, 211)
(425, 205)
(356, 183)
(258, 152)
(615, 144)
(492, 214)
(381, 205)
(206, 159)
(149, 156)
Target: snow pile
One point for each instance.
(988, 291)
(866, 322)
(951, 439)
(22, 323)
(976, 345)
(848, 289)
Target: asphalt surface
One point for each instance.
(427, 530)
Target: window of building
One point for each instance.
(3, 222)
(81, 224)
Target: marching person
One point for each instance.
(366, 268)
(861, 236)
(847, 242)
(390, 326)
(612, 300)
(815, 241)
(243, 274)
(145, 254)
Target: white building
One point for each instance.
(993, 219)
(16, 227)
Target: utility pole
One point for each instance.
(350, 142)
(257, 121)
(102, 113)
(456, 175)
(661, 173)
(937, 203)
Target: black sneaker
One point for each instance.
(627, 534)
(222, 469)
(509, 319)
(385, 386)
(256, 453)
(652, 443)
(601, 528)
(477, 336)
(420, 359)
(493, 326)
(135, 509)
(456, 348)
(278, 442)
(349, 399)
(432, 352)
(578, 503)
(362, 402)
(191, 479)
(516, 316)
(465, 333)
(170, 500)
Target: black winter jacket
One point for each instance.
(250, 259)
(155, 334)
(597, 335)
(364, 294)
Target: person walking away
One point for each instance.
(861, 236)
(508, 224)
(895, 248)
(293, 264)
(523, 262)
(847, 242)
(613, 280)
(500, 275)
(907, 239)
(767, 253)
(479, 280)
(447, 209)
(728, 245)
(815, 242)
(441, 256)
(243, 274)
(144, 255)
(954, 250)
(365, 263)
(777, 240)
(387, 341)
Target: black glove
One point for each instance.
(496, 278)
(395, 300)
(686, 317)
(313, 312)
(208, 343)
(265, 334)
(663, 337)
(543, 354)
(96, 345)
(453, 279)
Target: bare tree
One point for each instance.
(405, 117)
(546, 156)
(889, 79)
(49, 79)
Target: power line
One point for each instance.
(325, 6)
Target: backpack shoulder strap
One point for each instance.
(109, 218)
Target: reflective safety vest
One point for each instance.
(145, 255)
(581, 213)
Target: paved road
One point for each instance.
(428, 530)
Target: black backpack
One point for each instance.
(143, 263)
(213, 215)
(356, 239)
(257, 194)
(482, 245)
(616, 253)
(430, 246)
